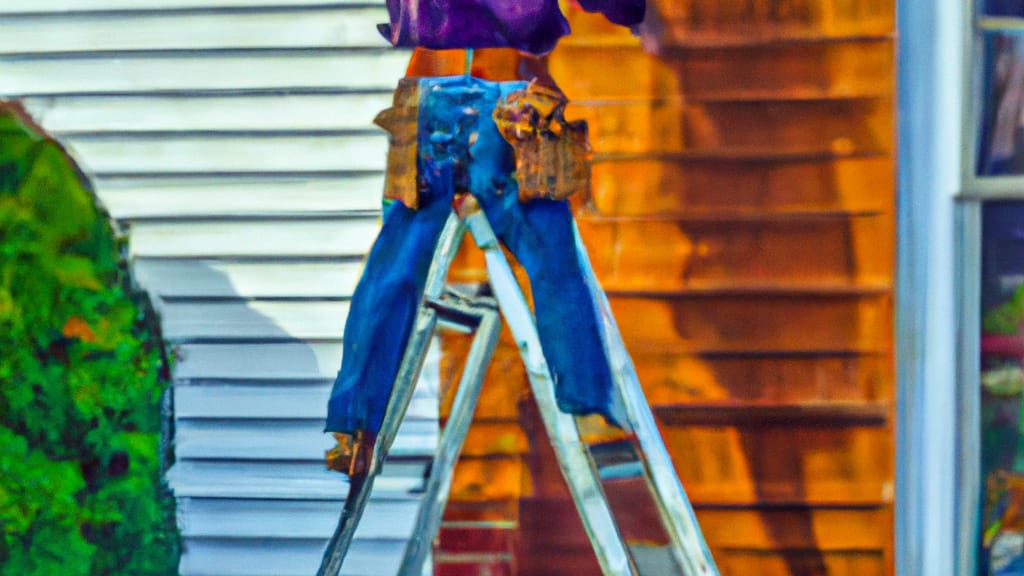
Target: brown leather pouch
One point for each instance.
(552, 154)
(400, 121)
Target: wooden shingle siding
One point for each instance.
(233, 142)
(742, 220)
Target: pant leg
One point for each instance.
(381, 316)
(385, 301)
(540, 235)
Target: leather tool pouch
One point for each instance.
(552, 154)
(400, 121)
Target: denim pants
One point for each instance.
(459, 147)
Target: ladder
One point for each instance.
(591, 470)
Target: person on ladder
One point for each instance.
(503, 140)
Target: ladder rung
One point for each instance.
(616, 451)
(624, 471)
(618, 460)
(653, 559)
(456, 310)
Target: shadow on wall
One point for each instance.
(742, 222)
(257, 343)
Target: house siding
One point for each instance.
(232, 142)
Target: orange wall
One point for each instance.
(742, 222)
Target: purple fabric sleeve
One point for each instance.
(533, 26)
(528, 25)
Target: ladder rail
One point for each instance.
(435, 497)
(448, 244)
(361, 485)
(672, 502)
(576, 460)
(572, 455)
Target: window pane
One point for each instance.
(1002, 383)
(1001, 130)
(1004, 7)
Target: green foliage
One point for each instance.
(81, 375)
(1006, 318)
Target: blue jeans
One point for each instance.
(459, 147)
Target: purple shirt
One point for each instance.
(528, 25)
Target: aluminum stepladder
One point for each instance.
(587, 469)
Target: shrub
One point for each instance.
(81, 376)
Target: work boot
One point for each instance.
(353, 453)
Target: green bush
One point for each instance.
(81, 376)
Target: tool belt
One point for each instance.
(552, 155)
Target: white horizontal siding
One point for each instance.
(260, 480)
(221, 518)
(147, 113)
(291, 440)
(224, 279)
(354, 28)
(233, 140)
(28, 76)
(281, 513)
(261, 361)
(256, 557)
(191, 154)
(249, 402)
(63, 6)
(253, 320)
(336, 238)
(170, 197)
(285, 481)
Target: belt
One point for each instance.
(552, 155)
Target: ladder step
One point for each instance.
(624, 471)
(653, 559)
(618, 460)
